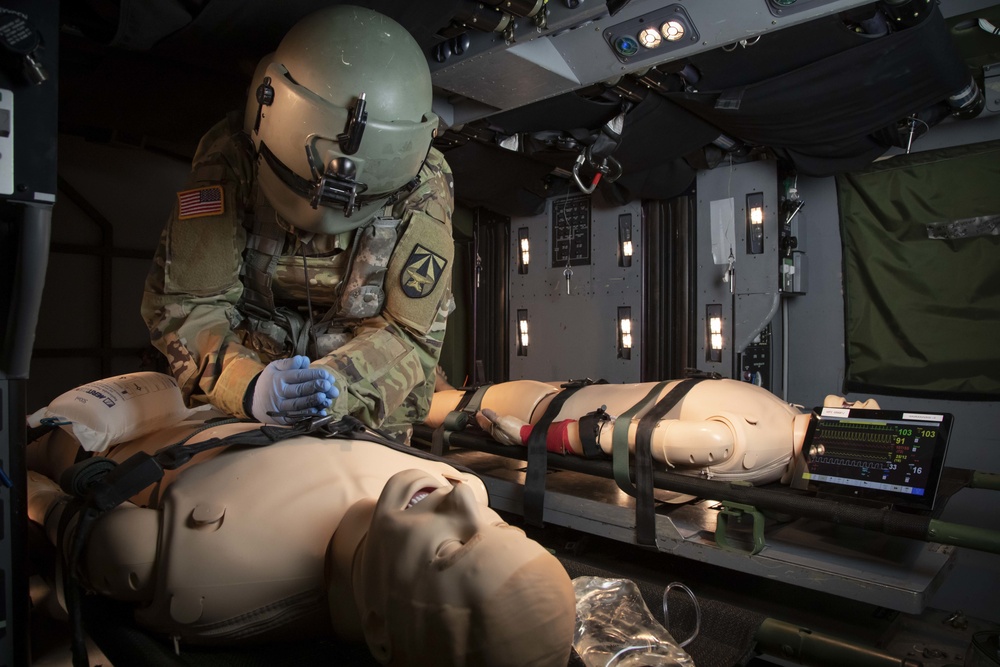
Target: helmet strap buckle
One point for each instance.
(336, 185)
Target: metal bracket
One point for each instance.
(608, 168)
(737, 511)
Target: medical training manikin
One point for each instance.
(307, 533)
(721, 429)
(384, 545)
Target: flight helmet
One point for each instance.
(340, 116)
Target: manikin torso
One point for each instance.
(242, 532)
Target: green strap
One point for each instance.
(738, 511)
(645, 504)
(619, 439)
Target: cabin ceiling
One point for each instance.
(822, 85)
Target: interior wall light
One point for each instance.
(650, 38)
(624, 332)
(523, 254)
(672, 30)
(755, 223)
(522, 332)
(625, 239)
(713, 332)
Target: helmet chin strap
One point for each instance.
(337, 185)
(334, 188)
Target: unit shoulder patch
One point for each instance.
(200, 202)
(423, 270)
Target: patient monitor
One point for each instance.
(884, 457)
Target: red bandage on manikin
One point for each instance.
(556, 440)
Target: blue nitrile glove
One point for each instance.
(288, 390)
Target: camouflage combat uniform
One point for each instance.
(199, 317)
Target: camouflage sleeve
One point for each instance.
(386, 373)
(193, 287)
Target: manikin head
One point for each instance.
(441, 579)
(340, 115)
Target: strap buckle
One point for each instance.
(583, 382)
(256, 312)
(697, 373)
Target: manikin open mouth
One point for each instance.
(420, 495)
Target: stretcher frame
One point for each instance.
(867, 566)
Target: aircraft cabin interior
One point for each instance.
(704, 320)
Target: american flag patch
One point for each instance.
(200, 202)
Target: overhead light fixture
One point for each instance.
(755, 223)
(650, 38)
(672, 30)
(624, 332)
(522, 332)
(713, 332)
(666, 28)
(625, 239)
(524, 255)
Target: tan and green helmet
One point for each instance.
(340, 115)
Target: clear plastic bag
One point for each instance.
(614, 627)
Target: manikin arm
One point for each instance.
(120, 556)
(720, 428)
(681, 443)
(674, 442)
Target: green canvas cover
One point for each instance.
(922, 274)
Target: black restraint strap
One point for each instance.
(590, 428)
(457, 419)
(142, 470)
(35, 432)
(538, 457)
(645, 517)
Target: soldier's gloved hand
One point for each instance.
(288, 390)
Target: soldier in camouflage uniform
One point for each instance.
(314, 234)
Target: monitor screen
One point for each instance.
(883, 456)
